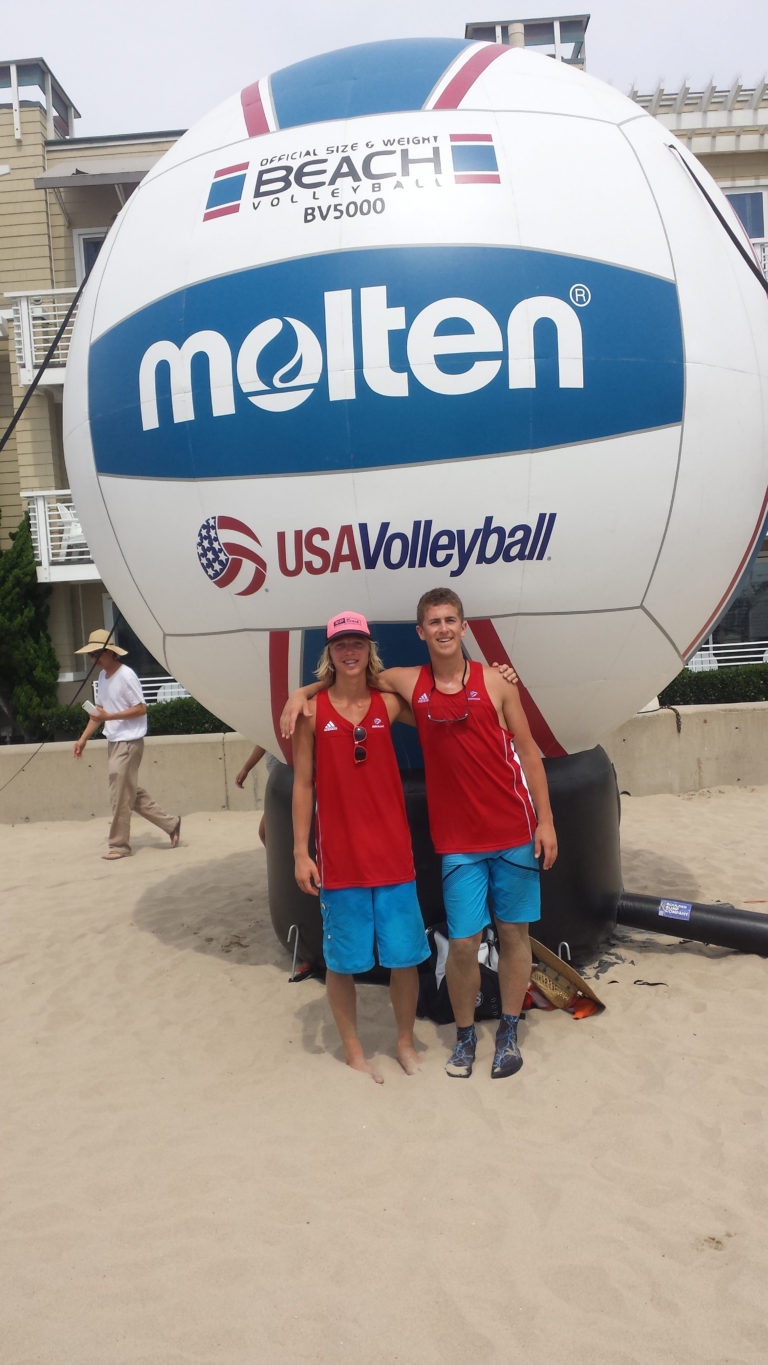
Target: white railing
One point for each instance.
(36, 320)
(62, 553)
(712, 656)
(761, 251)
(154, 689)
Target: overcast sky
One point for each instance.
(147, 65)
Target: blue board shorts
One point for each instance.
(508, 876)
(357, 917)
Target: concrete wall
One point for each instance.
(715, 746)
(183, 773)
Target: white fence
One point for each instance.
(154, 689)
(712, 656)
(36, 320)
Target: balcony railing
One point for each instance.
(36, 320)
(712, 656)
(62, 554)
(154, 689)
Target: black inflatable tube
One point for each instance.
(722, 925)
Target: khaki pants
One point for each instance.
(123, 759)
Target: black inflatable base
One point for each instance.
(579, 895)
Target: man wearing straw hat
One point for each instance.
(123, 713)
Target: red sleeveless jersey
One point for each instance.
(477, 795)
(361, 830)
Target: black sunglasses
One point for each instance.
(449, 720)
(360, 735)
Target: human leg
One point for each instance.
(348, 951)
(465, 893)
(514, 974)
(402, 944)
(404, 994)
(342, 998)
(515, 963)
(515, 891)
(462, 976)
(401, 941)
(123, 759)
(149, 809)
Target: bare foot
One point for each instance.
(113, 855)
(356, 1058)
(176, 835)
(408, 1058)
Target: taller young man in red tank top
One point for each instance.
(364, 872)
(489, 816)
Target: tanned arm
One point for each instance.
(306, 870)
(506, 698)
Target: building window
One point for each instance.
(747, 616)
(749, 207)
(88, 243)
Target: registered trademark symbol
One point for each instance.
(580, 295)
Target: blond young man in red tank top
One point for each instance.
(364, 872)
(490, 816)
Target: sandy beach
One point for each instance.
(192, 1177)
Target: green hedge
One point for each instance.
(62, 722)
(183, 716)
(744, 682)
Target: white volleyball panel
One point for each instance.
(555, 655)
(525, 81)
(240, 676)
(718, 508)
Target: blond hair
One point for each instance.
(326, 673)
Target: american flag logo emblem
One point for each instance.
(226, 191)
(227, 552)
(474, 159)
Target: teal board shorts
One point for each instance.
(508, 876)
(357, 918)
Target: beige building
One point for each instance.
(59, 195)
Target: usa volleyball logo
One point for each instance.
(227, 552)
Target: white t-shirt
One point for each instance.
(118, 693)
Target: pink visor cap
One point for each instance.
(347, 623)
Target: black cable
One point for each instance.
(737, 241)
(46, 362)
(47, 358)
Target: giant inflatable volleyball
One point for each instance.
(418, 313)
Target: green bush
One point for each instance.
(29, 668)
(183, 716)
(62, 722)
(744, 682)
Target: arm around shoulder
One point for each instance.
(399, 680)
(298, 705)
